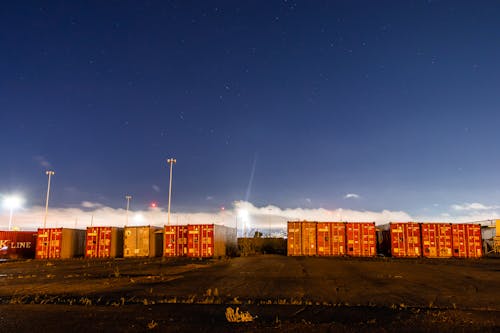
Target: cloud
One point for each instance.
(209, 198)
(242, 213)
(42, 161)
(472, 206)
(351, 196)
(156, 188)
(88, 204)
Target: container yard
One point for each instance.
(142, 241)
(60, 243)
(104, 242)
(17, 244)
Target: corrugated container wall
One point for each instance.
(308, 241)
(294, 247)
(405, 239)
(104, 242)
(361, 240)
(17, 244)
(466, 241)
(209, 240)
(175, 241)
(60, 243)
(331, 238)
(143, 241)
(436, 240)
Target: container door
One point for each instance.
(91, 244)
(294, 239)
(338, 239)
(170, 241)
(104, 249)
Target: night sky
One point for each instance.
(364, 105)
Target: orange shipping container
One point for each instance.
(405, 239)
(209, 240)
(294, 239)
(436, 240)
(308, 241)
(17, 244)
(176, 241)
(104, 242)
(467, 241)
(331, 238)
(361, 241)
(59, 243)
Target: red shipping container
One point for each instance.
(331, 238)
(294, 240)
(405, 239)
(436, 240)
(104, 242)
(17, 244)
(361, 240)
(209, 240)
(59, 243)
(175, 241)
(467, 241)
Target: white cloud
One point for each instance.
(88, 204)
(209, 198)
(257, 217)
(156, 188)
(351, 196)
(472, 206)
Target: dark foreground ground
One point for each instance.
(276, 293)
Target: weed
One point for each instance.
(235, 316)
(152, 325)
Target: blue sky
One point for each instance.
(394, 101)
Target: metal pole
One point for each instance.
(128, 197)
(10, 218)
(48, 173)
(170, 161)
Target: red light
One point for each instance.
(154, 204)
(223, 208)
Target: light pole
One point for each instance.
(170, 161)
(48, 173)
(128, 197)
(12, 203)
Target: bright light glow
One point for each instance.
(12, 202)
(138, 218)
(243, 214)
(154, 205)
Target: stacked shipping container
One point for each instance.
(17, 244)
(104, 242)
(59, 243)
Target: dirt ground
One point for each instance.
(277, 293)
